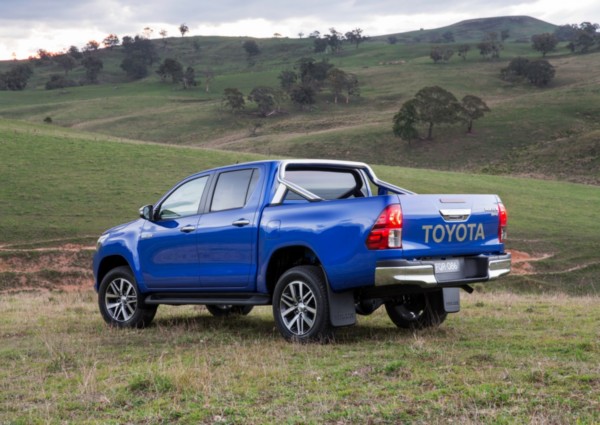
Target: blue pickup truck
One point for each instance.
(320, 241)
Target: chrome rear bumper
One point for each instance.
(481, 268)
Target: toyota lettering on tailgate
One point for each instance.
(453, 232)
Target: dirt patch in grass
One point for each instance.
(67, 268)
(522, 262)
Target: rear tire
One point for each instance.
(300, 305)
(120, 301)
(223, 310)
(417, 311)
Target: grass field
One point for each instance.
(504, 359)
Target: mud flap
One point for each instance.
(342, 311)
(451, 300)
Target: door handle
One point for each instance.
(241, 222)
(187, 229)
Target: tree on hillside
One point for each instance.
(233, 99)
(74, 52)
(16, 77)
(463, 49)
(59, 82)
(490, 46)
(189, 78)
(441, 53)
(587, 36)
(334, 40)
(303, 95)
(355, 37)
(544, 43)
(147, 32)
(266, 98)
(66, 62)
(405, 121)
(312, 73)
(139, 54)
(566, 32)
(43, 57)
(336, 80)
(516, 69)
(92, 67)
(111, 41)
(287, 80)
(392, 39)
(170, 68)
(91, 46)
(540, 72)
(320, 45)
(473, 108)
(252, 50)
(183, 29)
(436, 106)
(504, 35)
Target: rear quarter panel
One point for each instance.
(335, 231)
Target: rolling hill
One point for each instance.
(520, 28)
(552, 132)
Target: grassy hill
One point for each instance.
(520, 28)
(549, 133)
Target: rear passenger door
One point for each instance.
(228, 230)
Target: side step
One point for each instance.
(208, 298)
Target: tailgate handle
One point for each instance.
(455, 214)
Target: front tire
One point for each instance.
(417, 311)
(300, 305)
(120, 301)
(223, 310)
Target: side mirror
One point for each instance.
(147, 212)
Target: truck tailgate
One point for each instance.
(449, 225)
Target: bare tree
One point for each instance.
(183, 29)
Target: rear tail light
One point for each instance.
(502, 222)
(387, 231)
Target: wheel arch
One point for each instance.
(109, 263)
(287, 257)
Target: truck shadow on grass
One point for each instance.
(258, 327)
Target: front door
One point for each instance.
(168, 246)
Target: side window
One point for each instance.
(233, 189)
(184, 201)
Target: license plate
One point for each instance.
(448, 266)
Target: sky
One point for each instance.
(55, 25)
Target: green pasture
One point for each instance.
(550, 132)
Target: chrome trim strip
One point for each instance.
(455, 214)
(423, 274)
(499, 268)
